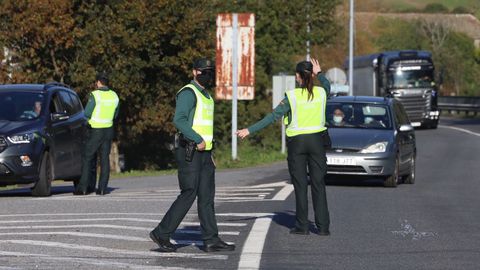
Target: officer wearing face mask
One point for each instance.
(196, 170)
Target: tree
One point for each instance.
(42, 34)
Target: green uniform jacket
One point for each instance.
(284, 108)
(185, 110)
(91, 104)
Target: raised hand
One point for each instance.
(316, 66)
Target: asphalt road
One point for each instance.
(433, 224)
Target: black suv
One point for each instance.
(41, 131)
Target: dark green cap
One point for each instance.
(203, 63)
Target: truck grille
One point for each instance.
(415, 106)
(3, 144)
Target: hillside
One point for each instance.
(472, 6)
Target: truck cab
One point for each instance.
(408, 76)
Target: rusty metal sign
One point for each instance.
(245, 56)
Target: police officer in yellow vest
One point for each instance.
(196, 174)
(304, 108)
(101, 110)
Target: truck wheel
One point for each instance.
(434, 125)
(392, 180)
(410, 179)
(43, 186)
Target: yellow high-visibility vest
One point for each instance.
(203, 117)
(106, 103)
(307, 116)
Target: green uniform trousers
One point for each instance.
(196, 180)
(98, 140)
(308, 150)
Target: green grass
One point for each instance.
(247, 156)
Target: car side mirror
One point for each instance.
(56, 117)
(407, 127)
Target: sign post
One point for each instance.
(282, 83)
(235, 62)
(234, 84)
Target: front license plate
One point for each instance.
(416, 124)
(341, 161)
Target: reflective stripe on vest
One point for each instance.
(203, 117)
(307, 116)
(106, 103)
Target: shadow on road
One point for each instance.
(27, 192)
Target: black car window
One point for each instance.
(77, 105)
(401, 117)
(67, 102)
(56, 104)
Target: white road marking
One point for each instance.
(269, 185)
(114, 250)
(103, 263)
(461, 129)
(253, 247)
(408, 229)
(109, 226)
(228, 224)
(283, 194)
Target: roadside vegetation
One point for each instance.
(147, 47)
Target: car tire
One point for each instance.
(410, 179)
(393, 180)
(43, 186)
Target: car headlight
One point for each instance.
(21, 138)
(379, 147)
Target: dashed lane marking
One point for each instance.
(107, 226)
(61, 245)
(227, 224)
(90, 261)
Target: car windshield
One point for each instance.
(357, 115)
(20, 106)
(410, 78)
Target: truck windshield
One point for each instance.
(20, 106)
(410, 78)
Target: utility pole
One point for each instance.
(350, 53)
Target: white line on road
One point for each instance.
(103, 263)
(114, 250)
(269, 185)
(253, 247)
(228, 224)
(107, 226)
(461, 129)
(283, 193)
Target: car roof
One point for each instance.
(42, 88)
(361, 99)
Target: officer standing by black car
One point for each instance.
(194, 115)
(307, 137)
(101, 110)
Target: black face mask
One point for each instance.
(206, 78)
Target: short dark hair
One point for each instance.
(102, 77)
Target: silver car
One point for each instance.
(370, 136)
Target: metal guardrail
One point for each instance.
(458, 104)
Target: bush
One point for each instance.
(435, 8)
(461, 10)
